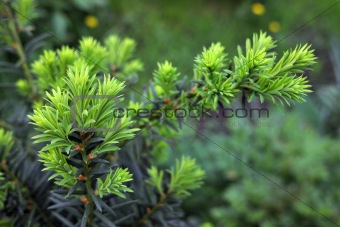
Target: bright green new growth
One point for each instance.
(210, 61)
(256, 61)
(165, 79)
(254, 72)
(55, 161)
(27, 9)
(156, 178)
(120, 58)
(185, 176)
(6, 143)
(94, 112)
(54, 119)
(114, 183)
(92, 51)
(116, 54)
(294, 60)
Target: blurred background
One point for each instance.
(296, 147)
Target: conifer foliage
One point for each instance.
(96, 167)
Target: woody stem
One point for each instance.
(88, 187)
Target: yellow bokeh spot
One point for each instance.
(258, 9)
(274, 26)
(91, 21)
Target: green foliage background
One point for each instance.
(285, 148)
(176, 30)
